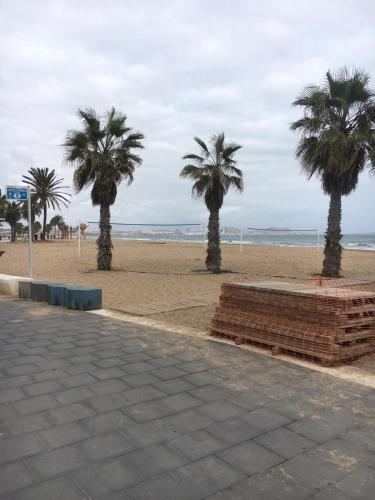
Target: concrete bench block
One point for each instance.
(39, 291)
(83, 299)
(24, 289)
(9, 284)
(56, 294)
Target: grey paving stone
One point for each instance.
(162, 362)
(181, 401)
(109, 362)
(233, 430)
(63, 435)
(149, 410)
(28, 423)
(107, 422)
(83, 368)
(209, 475)
(168, 372)
(108, 386)
(343, 454)
(14, 448)
(212, 392)
(265, 419)
(201, 378)
(75, 395)
(42, 388)
(35, 404)
(285, 442)
(163, 487)
(363, 436)
(58, 462)
(154, 460)
(197, 444)
(77, 380)
(139, 379)
(251, 457)
(188, 420)
(62, 488)
(318, 428)
(49, 375)
(252, 400)
(100, 479)
(140, 394)
(198, 365)
(139, 367)
(263, 487)
(173, 386)
(108, 373)
(360, 485)
(107, 445)
(14, 477)
(221, 410)
(7, 410)
(308, 473)
(17, 381)
(13, 394)
(22, 370)
(69, 413)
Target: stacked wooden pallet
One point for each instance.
(352, 284)
(326, 324)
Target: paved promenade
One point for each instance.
(93, 408)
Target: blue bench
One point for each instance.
(83, 299)
(24, 289)
(56, 294)
(39, 291)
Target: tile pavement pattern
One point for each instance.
(93, 408)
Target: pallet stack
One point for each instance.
(329, 325)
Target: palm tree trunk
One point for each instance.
(213, 259)
(13, 233)
(104, 242)
(333, 250)
(44, 221)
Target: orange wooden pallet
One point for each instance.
(327, 324)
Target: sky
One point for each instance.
(180, 69)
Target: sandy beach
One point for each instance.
(168, 281)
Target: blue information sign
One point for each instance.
(16, 193)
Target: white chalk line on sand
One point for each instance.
(344, 372)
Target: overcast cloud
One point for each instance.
(180, 69)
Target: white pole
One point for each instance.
(79, 239)
(30, 232)
(241, 239)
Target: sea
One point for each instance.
(363, 241)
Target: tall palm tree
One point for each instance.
(335, 145)
(49, 190)
(102, 154)
(3, 204)
(36, 210)
(214, 172)
(58, 222)
(12, 216)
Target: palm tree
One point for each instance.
(335, 145)
(36, 209)
(12, 216)
(58, 222)
(102, 154)
(3, 204)
(48, 190)
(214, 171)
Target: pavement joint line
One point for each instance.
(343, 372)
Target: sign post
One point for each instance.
(23, 193)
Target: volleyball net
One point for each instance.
(149, 231)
